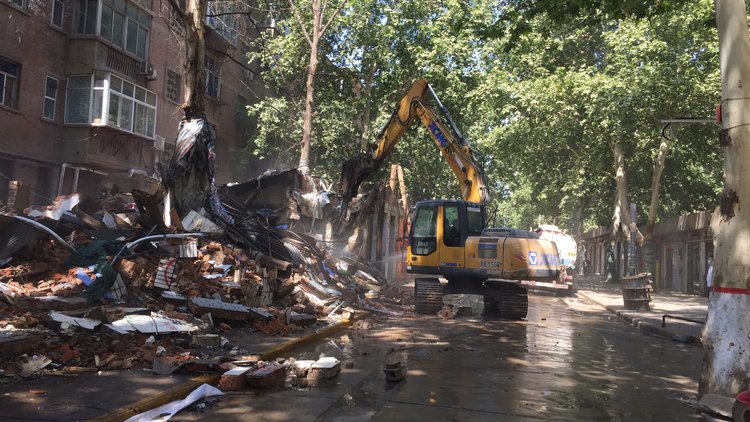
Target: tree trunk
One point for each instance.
(726, 367)
(647, 245)
(661, 157)
(304, 158)
(620, 217)
(195, 76)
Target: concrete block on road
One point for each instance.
(324, 368)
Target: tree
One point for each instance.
(726, 369)
(319, 25)
(580, 94)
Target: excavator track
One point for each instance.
(505, 300)
(428, 296)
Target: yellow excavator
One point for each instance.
(448, 238)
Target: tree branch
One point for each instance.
(330, 19)
(176, 7)
(298, 18)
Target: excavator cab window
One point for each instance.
(423, 236)
(452, 235)
(475, 221)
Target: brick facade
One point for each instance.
(37, 151)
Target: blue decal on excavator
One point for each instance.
(438, 134)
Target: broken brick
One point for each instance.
(268, 376)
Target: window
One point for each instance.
(131, 107)
(50, 98)
(86, 16)
(9, 72)
(422, 239)
(212, 77)
(20, 3)
(78, 99)
(113, 102)
(122, 23)
(475, 221)
(220, 17)
(241, 111)
(174, 86)
(56, 17)
(451, 229)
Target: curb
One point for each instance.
(180, 391)
(642, 324)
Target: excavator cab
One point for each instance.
(438, 235)
(448, 240)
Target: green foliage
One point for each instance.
(541, 98)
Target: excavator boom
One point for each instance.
(444, 133)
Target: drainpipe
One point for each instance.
(62, 178)
(75, 178)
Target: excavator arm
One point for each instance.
(443, 131)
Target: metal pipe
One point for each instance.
(62, 178)
(46, 230)
(664, 320)
(75, 178)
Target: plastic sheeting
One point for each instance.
(190, 176)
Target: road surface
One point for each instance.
(569, 361)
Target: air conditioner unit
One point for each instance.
(159, 142)
(147, 69)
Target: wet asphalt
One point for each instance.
(569, 361)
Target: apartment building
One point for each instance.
(90, 93)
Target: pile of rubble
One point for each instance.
(99, 284)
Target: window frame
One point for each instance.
(226, 25)
(52, 99)
(212, 72)
(103, 90)
(23, 6)
(14, 95)
(69, 102)
(55, 5)
(113, 17)
(451, 233)
(171, 72)
(423, 235)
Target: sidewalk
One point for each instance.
(609, 296)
